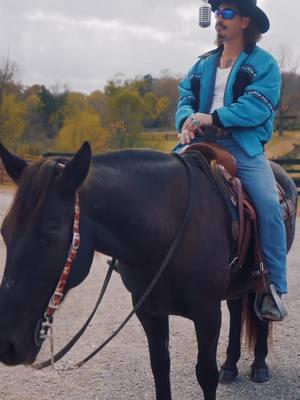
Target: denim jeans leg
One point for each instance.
(258, 180)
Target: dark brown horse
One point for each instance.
(132, 205)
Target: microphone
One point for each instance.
(205, 14)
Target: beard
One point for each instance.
(220, 36)
(219, 39)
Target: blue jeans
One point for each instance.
(258, 180)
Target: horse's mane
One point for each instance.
(37, 178)
(31, 193)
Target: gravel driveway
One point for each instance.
(121, 371)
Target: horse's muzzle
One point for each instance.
(9, 355)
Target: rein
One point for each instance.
(58, 294)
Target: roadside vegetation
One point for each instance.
(135, 112)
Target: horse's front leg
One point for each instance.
(207, 325)
(229, 371)
(157, 332)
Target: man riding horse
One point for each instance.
(230, 96)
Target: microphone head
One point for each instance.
(205, 15)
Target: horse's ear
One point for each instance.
(13, 165)
(76, 170)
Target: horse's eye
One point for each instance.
(7, 284)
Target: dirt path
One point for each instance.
(121, 371)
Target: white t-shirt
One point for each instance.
(221, 81)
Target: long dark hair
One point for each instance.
(252, 34)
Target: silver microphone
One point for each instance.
(205, 14)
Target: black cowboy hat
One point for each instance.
(248, 8)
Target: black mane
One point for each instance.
(32, 191)
(38, 177)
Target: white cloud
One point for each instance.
(115, 28)
(86, 43)
(187, 13)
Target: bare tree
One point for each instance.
(8, 70)
(290, 80)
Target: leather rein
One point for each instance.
(45, 326)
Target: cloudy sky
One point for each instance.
(85, 43)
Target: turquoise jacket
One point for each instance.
(250, 101)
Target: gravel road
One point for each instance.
(121, 371)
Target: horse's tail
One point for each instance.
(252, 324)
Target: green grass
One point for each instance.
(160, 140)
(166, 141)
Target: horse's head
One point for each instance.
(37, 233)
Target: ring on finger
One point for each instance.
(196, 122)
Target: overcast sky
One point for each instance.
(85, 43)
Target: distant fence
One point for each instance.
(292, 167)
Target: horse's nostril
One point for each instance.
(7, 351)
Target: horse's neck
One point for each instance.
(131, 216)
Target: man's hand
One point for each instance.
(193, 126)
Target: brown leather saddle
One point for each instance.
(223, 169)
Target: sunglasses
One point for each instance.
(227, 13)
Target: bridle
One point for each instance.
(46, 325)
(59, 291)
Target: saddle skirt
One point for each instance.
(222, 168)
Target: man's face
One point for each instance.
(229, 23)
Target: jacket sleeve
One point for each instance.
(186, 105)
(257, 104)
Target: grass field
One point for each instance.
(278, 146)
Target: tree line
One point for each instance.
(35, 119)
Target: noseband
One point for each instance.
(45, 325)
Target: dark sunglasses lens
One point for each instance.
(228, 14)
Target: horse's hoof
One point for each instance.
(260, 375)
(227, 376)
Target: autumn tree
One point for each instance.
(126, 113)
(167, 86)
(9, 105)
(52, 104)
(98, 101)
(81, 123)
(154, 107)
(13, 122)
